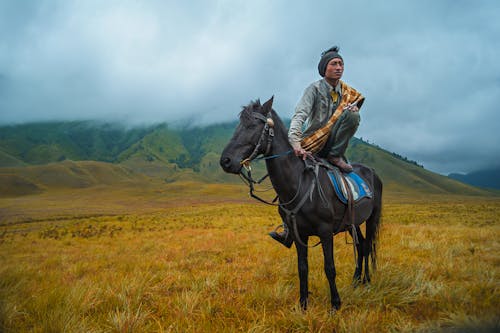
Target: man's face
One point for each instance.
(334, 69)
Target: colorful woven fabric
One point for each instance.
(315, 142)
(358, 186)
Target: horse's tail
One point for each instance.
(373, 222)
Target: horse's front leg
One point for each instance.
(327, 243)
(303, 268)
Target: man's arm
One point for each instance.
(302, 113)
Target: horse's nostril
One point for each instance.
(225, 161)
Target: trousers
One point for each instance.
(340, 134)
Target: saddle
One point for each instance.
(350, 182)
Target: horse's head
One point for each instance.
(250, 137)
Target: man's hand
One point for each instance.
(351, 107)
(301, 152)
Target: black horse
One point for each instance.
(261, 132)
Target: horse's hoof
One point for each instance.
(303, 305)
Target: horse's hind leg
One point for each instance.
(360, 254)
(373, 228)
(367, 249)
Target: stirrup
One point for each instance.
(281, 226)
(285, 238)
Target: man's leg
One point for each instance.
(342, 131)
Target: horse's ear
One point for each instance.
(268, 106)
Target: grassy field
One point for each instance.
(189, 257)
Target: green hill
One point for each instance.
(42, 143)
(81, 154)
(399, 174)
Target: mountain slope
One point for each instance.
(487, 178)
(403, 175)
(63, 175)
(8, 160)
(41, 143)
(158, 153)
(170, 154)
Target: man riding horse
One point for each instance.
(328, 110)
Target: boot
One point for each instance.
(340, 163)
(283, 237)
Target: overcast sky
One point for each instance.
(430, 70)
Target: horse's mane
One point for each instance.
(246, 114)
(278, 123)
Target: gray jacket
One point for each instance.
(313, 110)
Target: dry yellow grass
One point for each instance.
(178, 261)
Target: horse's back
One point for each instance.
(368, 174)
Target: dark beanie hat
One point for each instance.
(326, 56)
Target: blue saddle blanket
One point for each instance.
(358, 186)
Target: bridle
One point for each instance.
(268, 131)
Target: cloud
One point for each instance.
(428, 69)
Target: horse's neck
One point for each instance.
(284, 171)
